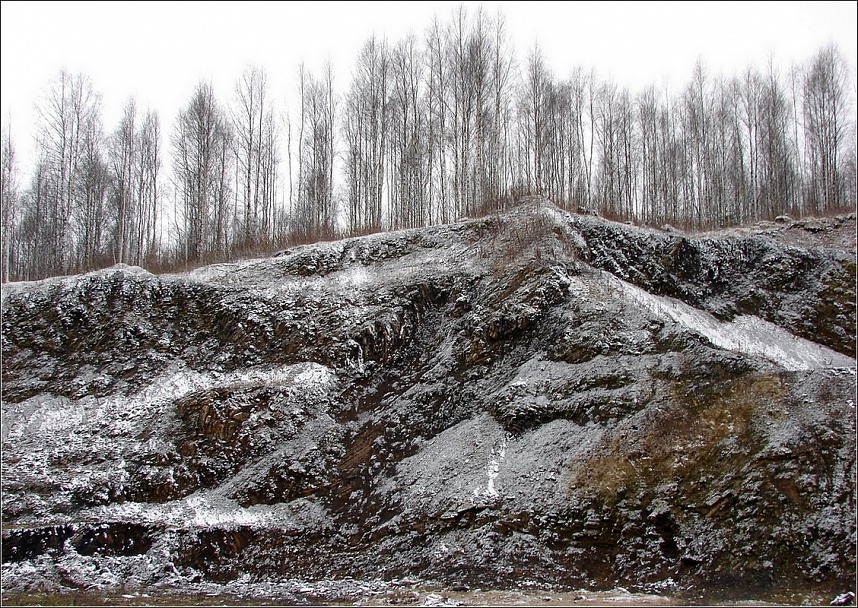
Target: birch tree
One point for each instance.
(201, 150)
(9, 198)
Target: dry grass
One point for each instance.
(679, 442)
(533, 238)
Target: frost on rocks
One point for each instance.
(62, 430)
(745, 334)
(211, 509)
(497, 402)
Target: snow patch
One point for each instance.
(498, 455)
(184, 382)
(745, 334)
(493, 468)
(63, 421)
(354, 276)
(208, 509)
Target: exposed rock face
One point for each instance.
(811, 292)
(532, 396)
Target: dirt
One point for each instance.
(535, 400)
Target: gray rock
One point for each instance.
(534, 396)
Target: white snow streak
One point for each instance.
(493, 468)
(58, 416)
(746, 334)
(184, 382)
(207, 509)
(354, 276)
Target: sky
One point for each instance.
(159, 51)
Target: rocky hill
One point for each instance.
(532, 398)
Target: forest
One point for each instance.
(430, 128)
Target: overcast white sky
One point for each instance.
(158, 51)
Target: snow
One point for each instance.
(180, 383)
(493, 468)
(355, 276)
(67, 281)
(745, 334)
(47, 429)
(209, 509)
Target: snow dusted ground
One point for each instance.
(65, 282)
(532, 396)
(103, 434)
(346, 264)
(745, 334)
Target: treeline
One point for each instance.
(94, 199)
(429, 129)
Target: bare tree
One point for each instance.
(9, 198)
(256, 155)
(91, 214)
(469, 93)
(269, 173)
(136, 161)
(696, 128)
(315, 213)
(148, 190)
(407, 139)
(67, 109)
(497, 118)
(438, 122)
(647, 114)
(33, 231)
(777, 168)
(825, 114)
(365, 127)
(123, 154)
(535, 119)
(201, 142)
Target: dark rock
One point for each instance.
(576, 402)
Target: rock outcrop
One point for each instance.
(532, 396)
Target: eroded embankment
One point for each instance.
(531, 396)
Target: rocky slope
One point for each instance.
(528, 398)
